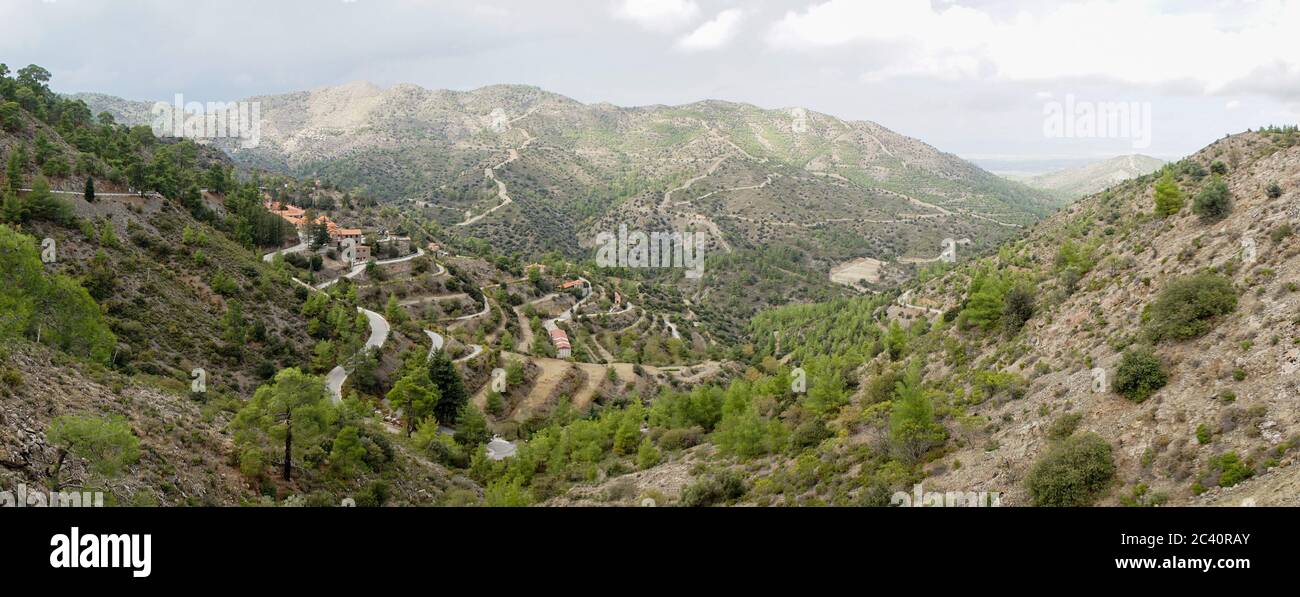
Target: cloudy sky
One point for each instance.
(980, 78)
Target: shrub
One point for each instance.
(1203, 434)
(1169, 200)
(1186, 308)
(12, 378)
(1064, 426)
(1280, 233)
(723, 487)
(1274, 190)
(1072, 473)
(1018, 307)
(1230, 469)
(678, 439)
(1214, 202)
(1141, 373)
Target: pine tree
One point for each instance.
(293, 405)
(348, 453)
(13, 209)
(912, 426)
(394, 312)
(107, 444)
(416, 396)
(471, 426)
(14, 168)
(1169, 200)
(647, 455)
(90, 189)
(450, 386)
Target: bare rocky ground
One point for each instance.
(660, 485)
(181, 448)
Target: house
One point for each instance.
(571, 284)
(363, 253)
(341, 234)
(563, 349)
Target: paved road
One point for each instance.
(361, 267)
(672, 328)
(298, 248)
(436, 342)
(477, 350)
(567, 315)
(378, 335)
(486, 309)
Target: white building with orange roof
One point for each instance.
(563, 348)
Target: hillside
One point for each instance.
(1079, 182)
(1011, 375)
(141, 322)
(784, 197)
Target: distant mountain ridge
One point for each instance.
(1079, 182)
(407, 142)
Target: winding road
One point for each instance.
(378, 336)
(502, 193)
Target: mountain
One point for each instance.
(1081, 181)
(784, 197)
(575, 164)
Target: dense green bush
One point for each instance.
(1141, 373)
(1187, 307)
(1214, 202)
(1017, 309)
(1064, 426)
(723, 487)
(1230, 469)
(1169, 199)
(1072, 473)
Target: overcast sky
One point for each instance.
(974, 77)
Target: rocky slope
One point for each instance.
(1236, 385)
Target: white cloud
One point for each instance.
(715, 33)
(1232, 105)
(1220, 46)
(661, 16)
